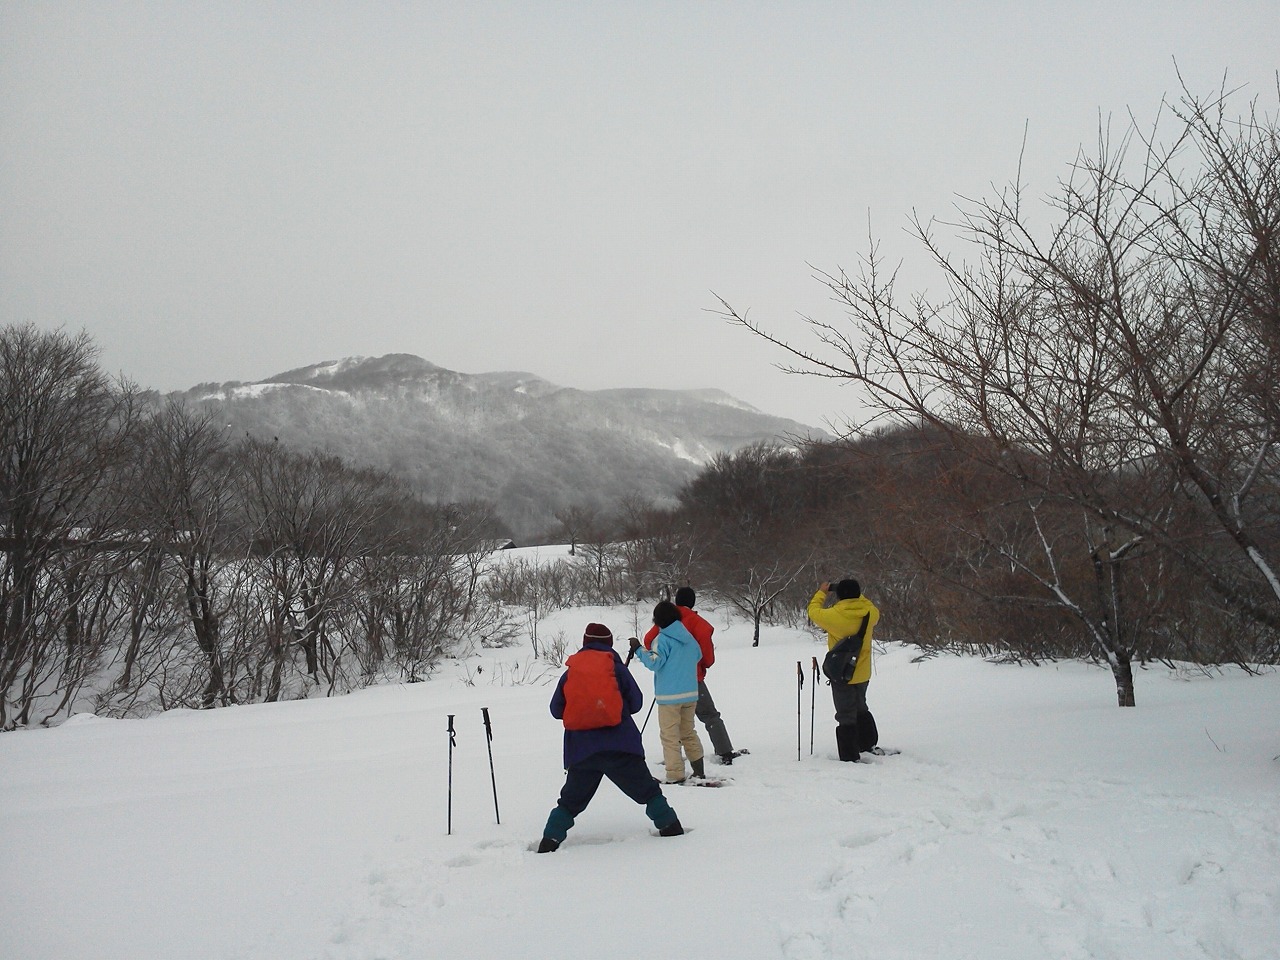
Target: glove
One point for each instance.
(635, 644)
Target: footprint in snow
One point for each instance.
(804, 946)
(865, 839)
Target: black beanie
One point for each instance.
(848, 590)
(665, 614)
(685, 597)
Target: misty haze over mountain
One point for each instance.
(530, 446)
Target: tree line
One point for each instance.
(150, 561)
(958, 552)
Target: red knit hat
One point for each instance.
(597, 633)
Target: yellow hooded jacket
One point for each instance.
(843, 618)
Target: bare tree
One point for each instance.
(184, 496)
(311, 518)
(419, 593)
(475, 533)
(63, 435)
(1104, 362)
(577, 524)
(658, 548)
(604, 560)
(748, 512)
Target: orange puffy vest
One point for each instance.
(591, 695)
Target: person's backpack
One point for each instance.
(591, 696)
(841, 660)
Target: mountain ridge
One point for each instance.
(529, 445)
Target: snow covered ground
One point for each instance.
(1028, 817)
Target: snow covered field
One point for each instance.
(1028, 817)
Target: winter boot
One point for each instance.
(868, 735)
(558, 825)
(699, 768)
(847, 742)
(663, 817)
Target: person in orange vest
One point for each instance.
(695, 623)
(595, 700)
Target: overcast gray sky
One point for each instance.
(219, 190)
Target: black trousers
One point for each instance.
(628, 772)
(850, 701)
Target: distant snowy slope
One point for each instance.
(523, 442)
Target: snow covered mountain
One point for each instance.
(531, 446)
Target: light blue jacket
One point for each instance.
(674, 662)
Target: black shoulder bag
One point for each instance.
(839, 663)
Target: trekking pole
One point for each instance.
(488, 733)
(452, 742)
(813, 703)
(799, 687)
(647, 715)
(631, 652)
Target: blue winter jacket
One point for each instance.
(580, 744)
(674, 662)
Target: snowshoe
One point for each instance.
(701, 782)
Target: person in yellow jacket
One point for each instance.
(851, 613)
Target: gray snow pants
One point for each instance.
(706, 712)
